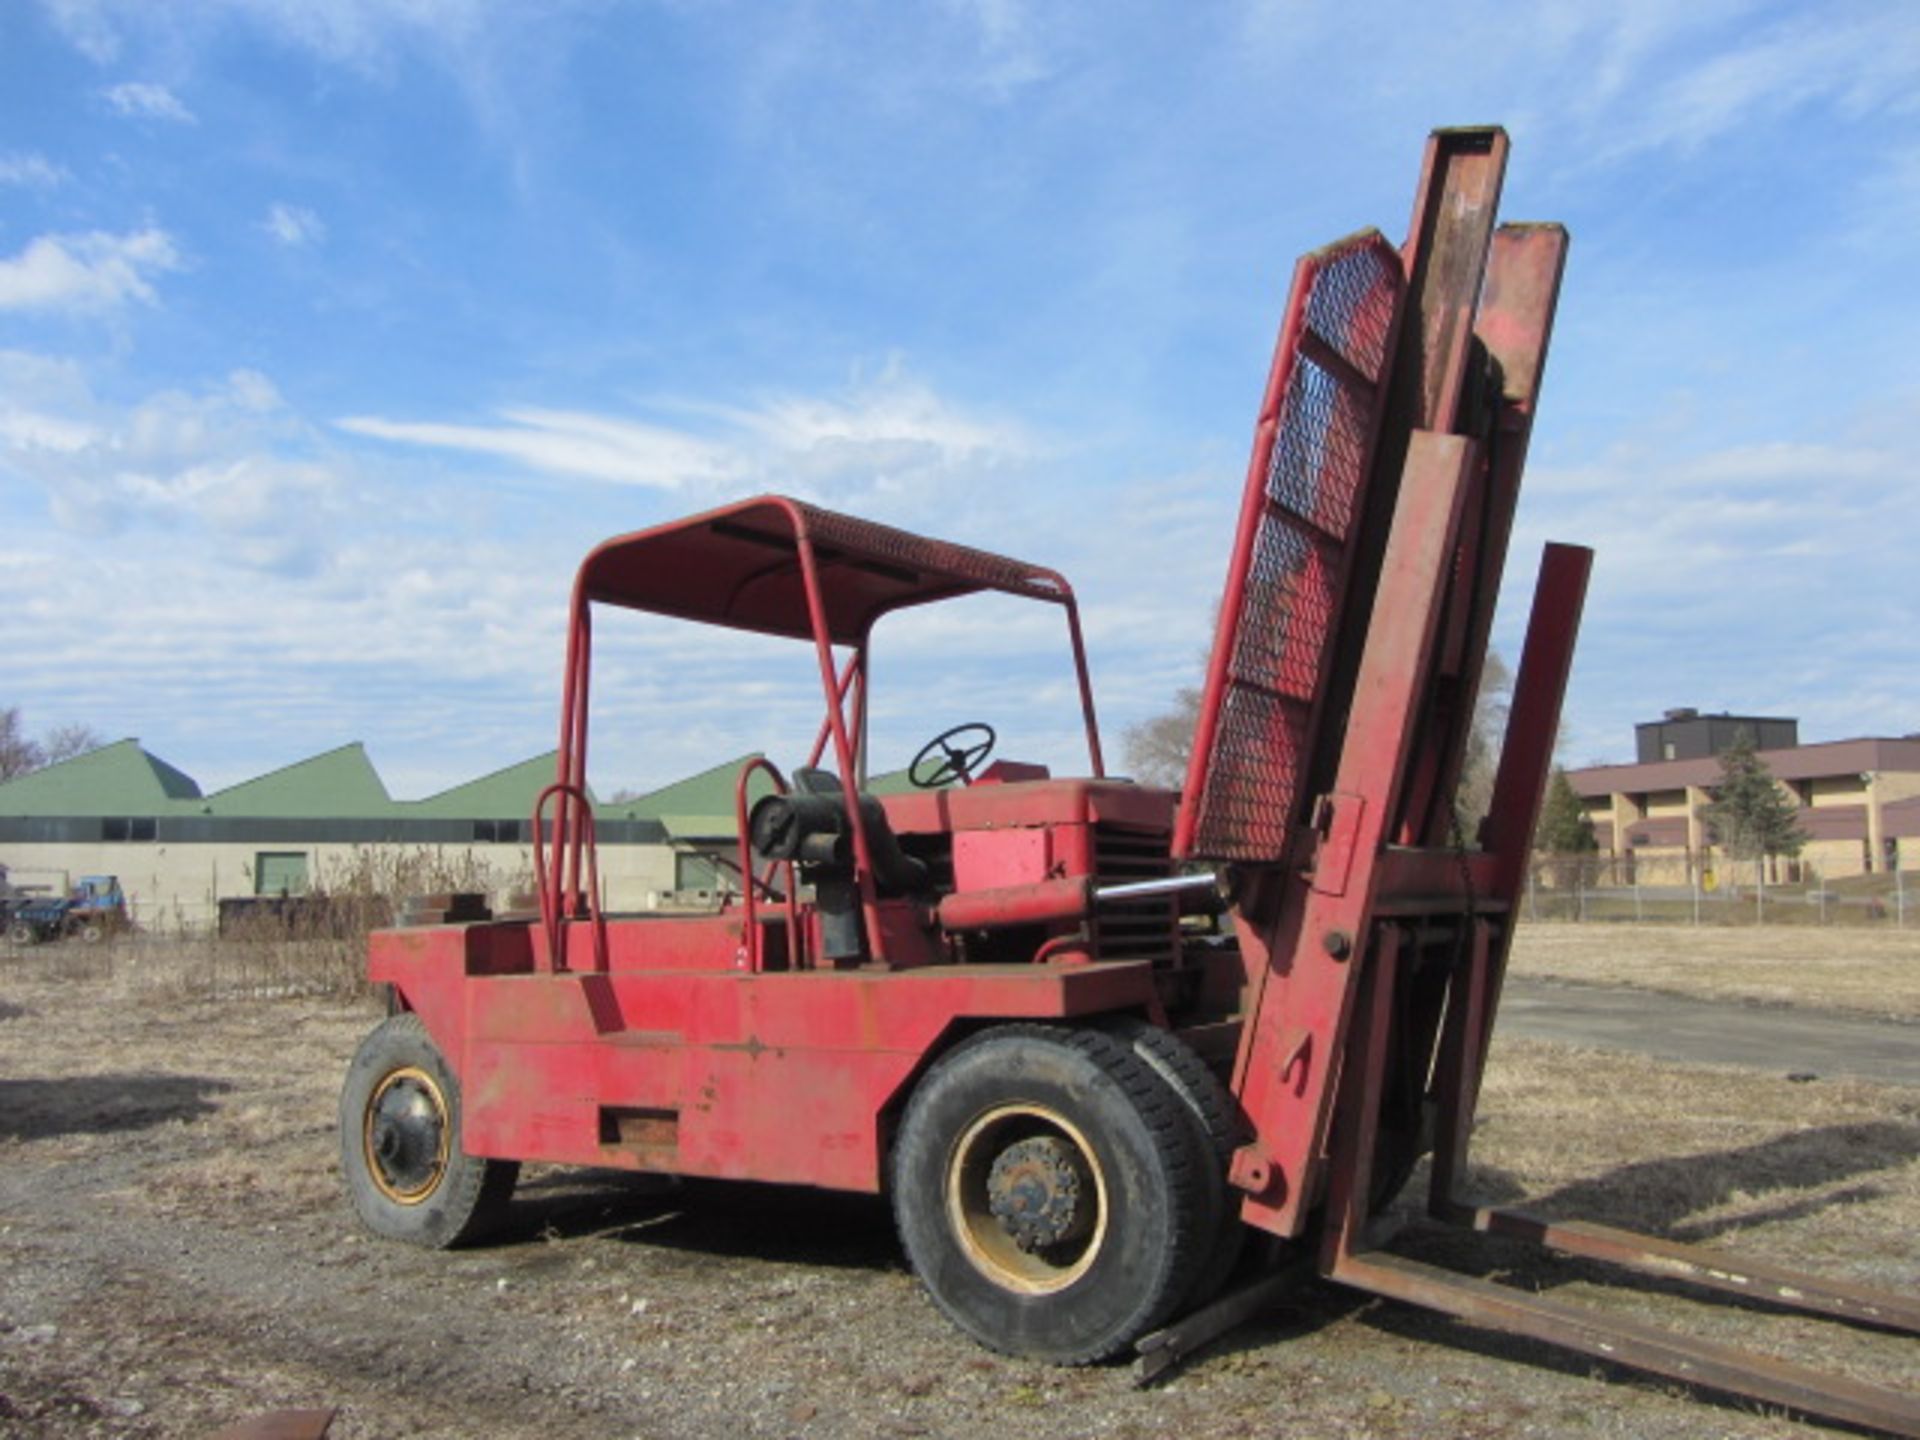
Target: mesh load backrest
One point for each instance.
(1313, 450)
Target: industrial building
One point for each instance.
(328, 823)
(1858, 800)
(320, 825)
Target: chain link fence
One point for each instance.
(1722, 892)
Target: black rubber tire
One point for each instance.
(1089, 1091)
(21, 933)
(1218, 1133)
(462, 1197)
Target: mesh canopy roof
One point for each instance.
(740, 567)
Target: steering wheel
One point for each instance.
(955, 754)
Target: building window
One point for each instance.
(128, 829)
(280, 872)
(1667, 751)
(496, 832)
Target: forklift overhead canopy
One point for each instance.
(741, 566)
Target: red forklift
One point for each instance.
(1088, 1036)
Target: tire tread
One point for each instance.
(1176, 1152)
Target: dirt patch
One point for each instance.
(1873, 972)
(178, 1255)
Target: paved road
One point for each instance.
(1671, 1027)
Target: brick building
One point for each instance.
(1858, 800)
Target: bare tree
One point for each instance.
(63, 742)
(18, 754)
(1157, 748)
(21, 755)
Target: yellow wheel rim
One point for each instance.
(1026, 1199)
(406, 1135)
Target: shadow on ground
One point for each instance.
(102, 1104)
(734, 1219)
(1659, 1195)
(1790, 1176)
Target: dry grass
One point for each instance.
(193, 967)
(1698, 1152)
(1821, 1177)
(214, 1117)
(238, 1045)
(1872, 972)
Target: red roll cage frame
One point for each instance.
(773, 566)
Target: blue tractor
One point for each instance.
(92, 910)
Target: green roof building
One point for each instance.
(180, 852)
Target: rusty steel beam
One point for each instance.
(1356, 1134)
(1164, 1348)
(1446, 256)
(1513, 328)
(281, 1425)
(1697, 1265)
(1632, 1343)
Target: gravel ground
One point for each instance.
(177, 1256)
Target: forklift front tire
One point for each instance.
(400, 1144)
(1048, 1190)
(1218, 1134)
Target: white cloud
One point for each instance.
(24, 430)
(1760, 578)
(886, 435)
(27, 168)
(1862, 64)
(567, 443)
(293, 225)
(85, 24)
(95, 271)
(143, 100)
(892, 411)
(210, 541)
(227, 460)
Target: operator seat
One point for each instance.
(894, 871)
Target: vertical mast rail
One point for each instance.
(1286, 1086)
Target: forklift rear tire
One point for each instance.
(400, 1144)
(21, 933)
(1048, 1188)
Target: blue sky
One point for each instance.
(334, 332)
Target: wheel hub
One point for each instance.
(1035, 1190)
(406, 1136)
